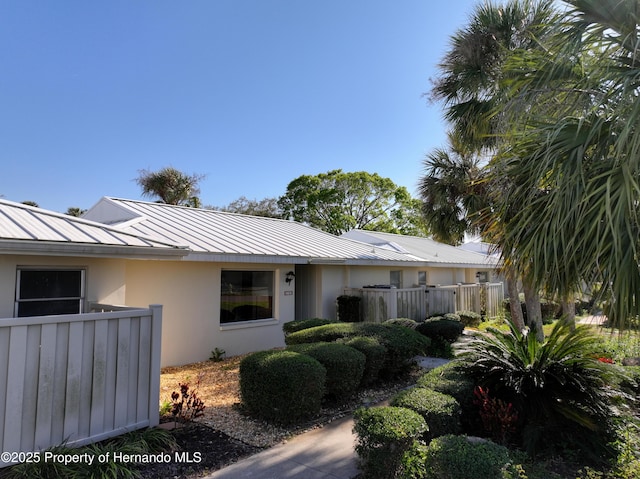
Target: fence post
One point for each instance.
(154, 382)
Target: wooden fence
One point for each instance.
(380, 304)
(483, 298)
(78, 379)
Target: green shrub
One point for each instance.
(453, 379)
(349, 308)
(458, 457)
(406, 322)
(344, 366)
(550, 310)
(440, 411)
(300, 324)
(559, 388)
(470, 319)
(281, 386)
(441, 348)
(448, 329)
(385, 434)
(326, 333)
(402, 344)
(373, 351)
(452, 317)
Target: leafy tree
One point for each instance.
(171, 186)
(339, 201)
(267, 207)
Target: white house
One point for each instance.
(225, 280)
(243, 277)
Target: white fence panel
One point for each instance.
(494, 298)
(440, 300)
(78, 378)
(380, 304)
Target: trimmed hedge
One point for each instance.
(300, 324)
(344, 366)
(402, 343)
(438, 327)
(459, 457)
(281, 386)
(440, 411)
(385, 435)
(373, 351)
(349, 308)
(452, 379)
(470, 319)
(406, 322)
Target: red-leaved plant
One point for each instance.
(499, 419)
(186, 405)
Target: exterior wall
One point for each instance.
(190, 295)
(105, 278)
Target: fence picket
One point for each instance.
(78, 378)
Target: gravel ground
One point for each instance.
(223, 435)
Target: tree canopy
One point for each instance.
(267, 207)
(339, 201)
(171, 186)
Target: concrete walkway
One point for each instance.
(324, 453)
(327, 452)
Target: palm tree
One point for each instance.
(170, 185)
(576, 170)
(453, 191)
(471, 86)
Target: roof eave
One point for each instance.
(52, 248)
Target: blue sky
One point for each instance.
(250, 93)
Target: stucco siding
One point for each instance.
(105, 278)
(190, 294)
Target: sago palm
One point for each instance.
(561, 389)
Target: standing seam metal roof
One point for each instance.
(216, 232)
(19, 222)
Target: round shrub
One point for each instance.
(452, 379)
(326, 333)
(385, 434)
(469, 319)
(299, 325)
(406, 322)
(344, 366)
(452, 317)
(402, 344)
(447, 329)
(440, 411)
(374, 352)
(282, 386)
(460, 457)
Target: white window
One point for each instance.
(41, 292)
(422, 278)
(246, 296)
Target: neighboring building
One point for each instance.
(442, 264)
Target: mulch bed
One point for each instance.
(208, 450)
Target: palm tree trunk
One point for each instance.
(514, 301)
(569, 310)
(534, 312)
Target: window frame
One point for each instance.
(271, 299)
(18, 300)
